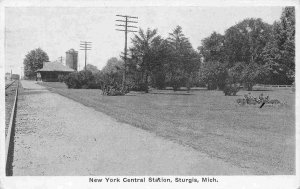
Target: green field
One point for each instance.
(261, 140)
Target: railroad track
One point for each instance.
(8, 85)
(9, 140)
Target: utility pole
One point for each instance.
(11, 71)
(22, 72)
(61, 59)
(126, 30)
(86, 46)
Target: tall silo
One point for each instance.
(72, 59)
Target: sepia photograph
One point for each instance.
(138, 91)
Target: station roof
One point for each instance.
(54, 67)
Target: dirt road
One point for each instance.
(58, 136)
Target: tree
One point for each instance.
(245, 41)
(110, 77)
(33, 61)
(249, 74)
(160, 57)
(112, 71)
(184, 60)
(279, 53)
(213, 48)
(113, 65)
(144, 52)
(214, 73)
(92, 68)
(244, 44)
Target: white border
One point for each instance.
(82, 182)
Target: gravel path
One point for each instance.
(58, 136)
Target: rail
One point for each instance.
(10, 132)
(8, 85)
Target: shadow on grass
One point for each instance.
(171, 93)
(261, 90)
(25, 92)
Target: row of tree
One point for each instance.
(154, 61)
(252, 51)
(249, 52)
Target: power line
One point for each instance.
(125, 29)
(86, 46)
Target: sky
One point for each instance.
(56, 30)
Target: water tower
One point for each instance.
(72, 59)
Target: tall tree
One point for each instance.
(161, 54)
(244, 46)
(249, 74)
(279, 54)
(113, 65)
(184, 59)
(245, 41)
(92, 68)
(214, 74)
(33, 61)
(212, 48)
(144, 52)
(111, 75)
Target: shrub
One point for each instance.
(114, 89)
(82, 79)
(230, 89)
(72, 81)
(211, 85)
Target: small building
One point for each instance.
(7, 76)
(15, 76)
(51, 71)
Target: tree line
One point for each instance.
(251, 52)
(248, 53)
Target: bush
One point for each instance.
(230, 89)
(211, 85)
(114, 90)
(83, 79)
(72, 81)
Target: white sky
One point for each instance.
(57, 30)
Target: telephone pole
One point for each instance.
(61, 59)
(86, 46)
(22, 72)
(11, 71)
(125, 29)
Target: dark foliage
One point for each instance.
(33, 61)
(231, 89)
(80, 80)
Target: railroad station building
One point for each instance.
(51, 71)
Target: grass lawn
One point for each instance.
(262, 140)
